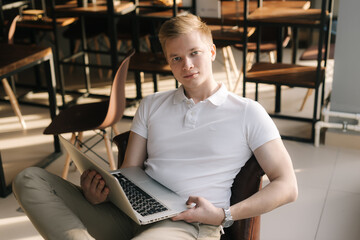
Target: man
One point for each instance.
(194, 140)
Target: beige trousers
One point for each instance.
(58, 210)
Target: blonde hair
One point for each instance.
(183, 25)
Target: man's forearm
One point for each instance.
(275, 194)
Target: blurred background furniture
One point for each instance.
(109, 11)
(32, 27)
(15, 58)
(267, 40)
(153, 62)
(311, 53)
(94, 116)
(95, 27)
(247, 182)
(9, 91)
(293, 75)
(4, 188)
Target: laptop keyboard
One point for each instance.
(141, 202)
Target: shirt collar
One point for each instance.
(217, 98)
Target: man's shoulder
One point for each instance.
(242, 100)
(159, 97)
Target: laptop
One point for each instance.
(138, 195)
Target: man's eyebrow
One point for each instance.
(173, 54)
(190, 50)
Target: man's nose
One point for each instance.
(188, 64)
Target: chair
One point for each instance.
(292, 75)
(94, 116)
(125, 35)
(94, 28)
(13, 101)
(266, 45)
(149, 14)
(311, 54)
(234, 25)
(247, 182)
(225, 36)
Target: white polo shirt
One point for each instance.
(197, 149)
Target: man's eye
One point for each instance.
(175, 59)
(195, 53)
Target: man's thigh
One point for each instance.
(168, 230)
(59, 210)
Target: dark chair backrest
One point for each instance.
(247, 182)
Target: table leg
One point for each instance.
(295, 44)
(4, 189)
(280, 37)
(51, 85)
(138, 84)
(86, 55)
(59, 68)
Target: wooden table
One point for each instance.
(146, 9)
(271, 13)
(45, 23)
(232, 13)
(101, 8)
(16, 58)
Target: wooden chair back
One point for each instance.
(117, 96)
(247, 182)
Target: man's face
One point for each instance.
(190, 58)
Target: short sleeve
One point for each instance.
(260, 128)
(140, 121)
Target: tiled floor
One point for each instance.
(328, 207)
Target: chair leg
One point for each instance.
(107, 42)
(76, 49)
(249, 59)
(272, 56)
(308, 93)
(14, 103)
(67, 160)
(109, 152)
(98, 59)
(232, 61)
(115, 129)
(148, 44)
(227, 66)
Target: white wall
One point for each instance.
(345, 96)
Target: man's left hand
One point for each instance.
(202, 212)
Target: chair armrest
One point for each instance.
(121, 141)
(247, 182)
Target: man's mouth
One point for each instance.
(191, 75)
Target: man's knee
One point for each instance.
(27, 175)
(26, 178)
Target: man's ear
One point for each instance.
(213, 52)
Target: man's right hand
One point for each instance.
(93, 186)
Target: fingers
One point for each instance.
(101, 188)
(202, 211)
(87, 179)
(188, 215)
(194, 201)
(185, 216)
(191, 200)
(94, 187)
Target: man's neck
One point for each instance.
(201, 93)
